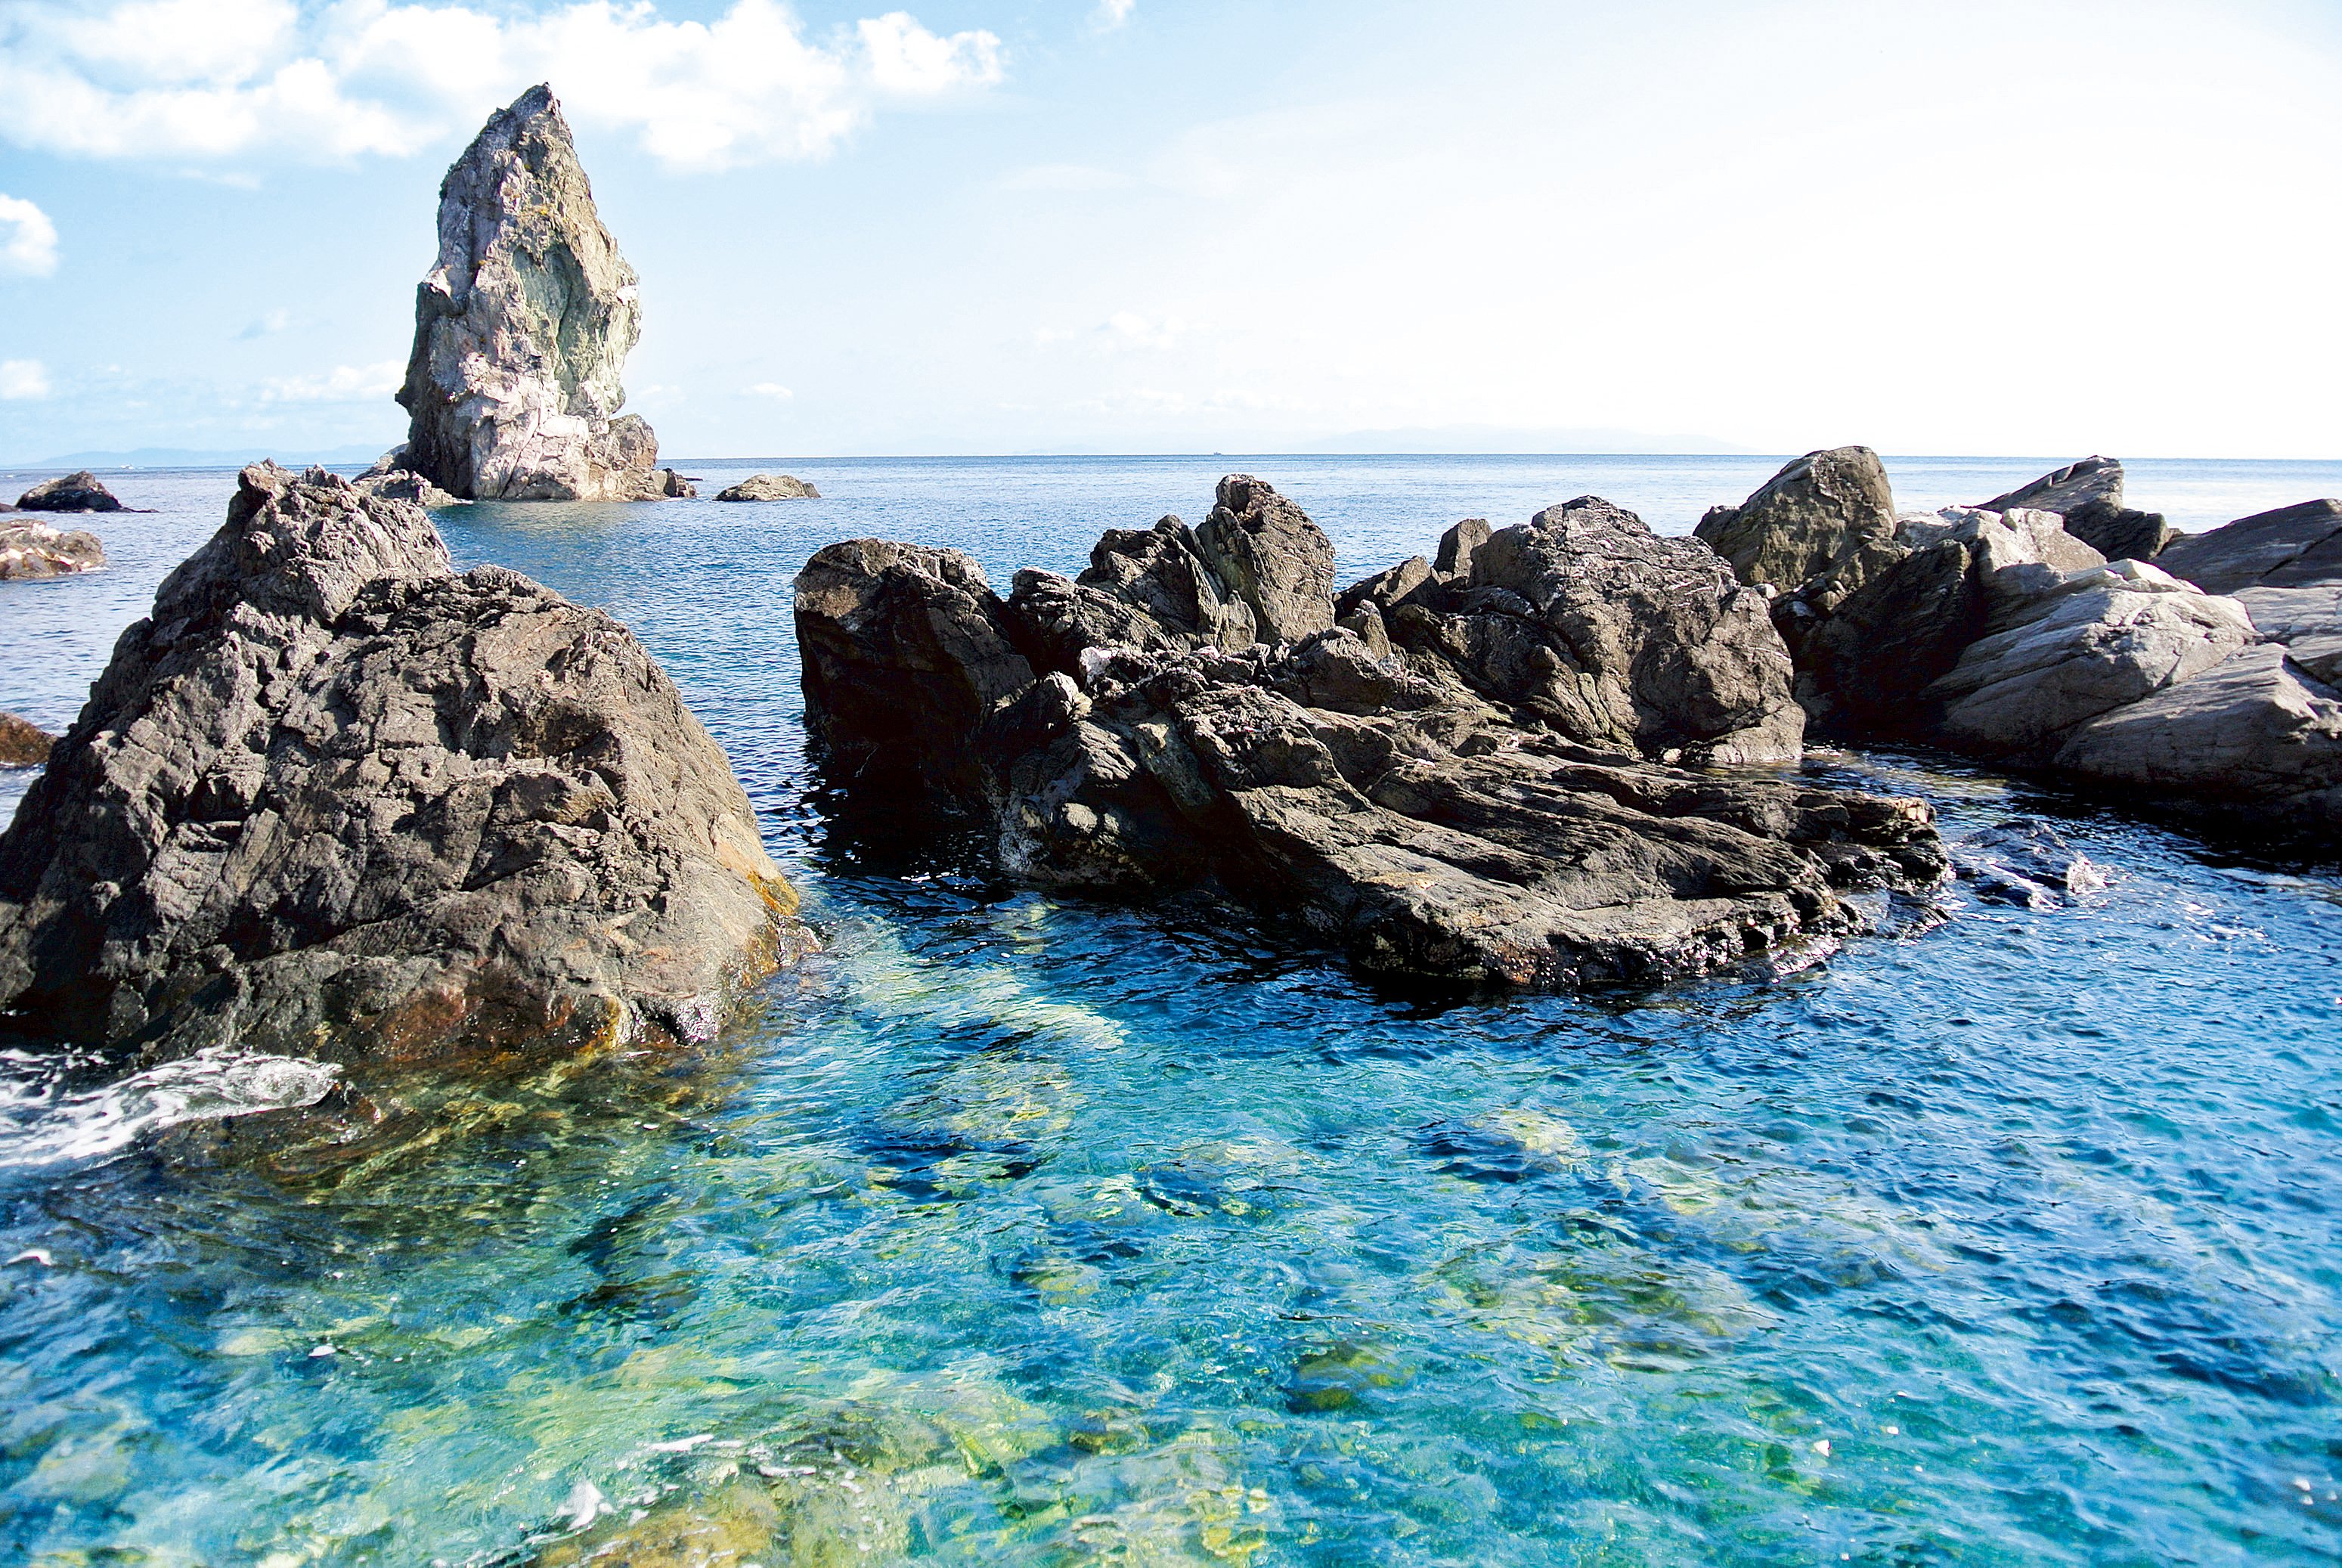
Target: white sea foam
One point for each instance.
(40, 1125)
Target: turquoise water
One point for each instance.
(1021, 1231)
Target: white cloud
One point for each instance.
(1112, 14)
(335, 79)
(28, 240)
(22, 379)
(907, 59)
(768, 389)
(342, 383)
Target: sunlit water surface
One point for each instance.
(1029, 1232)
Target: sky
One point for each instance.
(2046, 228)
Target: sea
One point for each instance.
(1016, 1229)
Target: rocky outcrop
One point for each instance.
(522, 328)
(23, 743)
(2000, 635)
(676, 487)
(769, 488)
(2291, 547)
(37, 550)
(1270, 556)
(333, 799)
(2089, 497)
(1127, 734)
(80, 492)
(1818, 530)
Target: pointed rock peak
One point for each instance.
(522, 328)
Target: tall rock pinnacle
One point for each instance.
(522, 329)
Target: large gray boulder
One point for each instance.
(2089, 496)
(333, 799)
(1818, 529)
(2291, 547)
(1378, 800)
(2095, 642)
(1617, 637)
(522, 328)
(2247, 742)
(80, 491)
(1272, 556)
(36, 550)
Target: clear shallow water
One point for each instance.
(1018, 1230)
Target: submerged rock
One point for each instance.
(80, 492)
(2291, 547)
(23, 743)
(769, 488)
(332, 800)
(2089, 496)
(1116, 735)
(522, 328)
(2025, 861)
(37, 550)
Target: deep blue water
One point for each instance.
(1021, 1231)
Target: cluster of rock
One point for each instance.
(522, 331)
(334, 799)
(29, 548)
(769, 488)
(2204, 678)
(1471, 776)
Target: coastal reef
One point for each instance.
(522, 331)
(1527, 764)
(2201, 681)
(333, 799)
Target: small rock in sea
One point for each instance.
(23, 743)
(770, 488)
(676, 487)
(2025, 861)
(30, 550)
(359, 807)
(73, 493)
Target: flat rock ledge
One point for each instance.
(1463, 781)
(30, 550)
(769, 488)
(333, 799)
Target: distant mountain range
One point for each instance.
(189, 457)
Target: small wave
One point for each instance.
(41, 1126)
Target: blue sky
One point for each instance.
(1002, 225)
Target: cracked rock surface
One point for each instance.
(333, 799)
